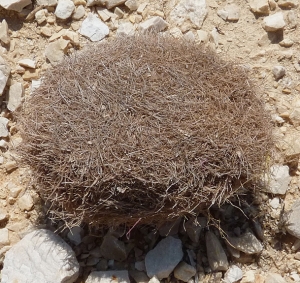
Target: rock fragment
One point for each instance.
(278, 72)
(95, 2)
(215, 253)
(230, 13)
(260, 7)
(48, 3)
(112, 248)
(194, 227)
(15, 95)
(28, 63)
(233, 274)
(286, 42)
(43, 257)
(79, 13)
(93, 28)
(55, 51)
(246, 243)
(277, 181)
(3, 127)
(15, 5)
(132, 5)
(291, 220)
(126, 29)
(162, 260)
(156, 24)
(4, 36)
(64, 9)
(274, 22)
(41, 16)
(184, 271)
(120, 276)
(25, 202)
(4, 74)
(113, 3)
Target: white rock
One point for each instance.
(274, 278)
(274, 203)
(79, 13)
(46, 2)
(55, 51)
(13, 189)
(278, 72)
(175, 32)
(4, 238)
(215, 253)
(162, 260)
(3, 215)
(286, 42)
(156, 24)
(4, 74)
(154, 279)
(4, 36)
(27, 63)
(104, 14)
(40, 256)
(15, 94)
(95, 2)
(233, 274)
(246, 243)
(126, 28)
(15, 5)
(202, 36)
(41, 16)
(249, 277)
(274, 22)
(189, 36)
(291, 219)
(191, 13)
(260, 6)
(140, 265)
(3, 127)
(184, 271)
(120, 276)
(113, 3)
(25, 202)
(35, 84)
(277, 182)
(132, 5)
(64, 9)
(230, 13)
(93, 28)
(75, 235)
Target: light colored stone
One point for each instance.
(278, 72)
(286, 42)
(187, 14)
(274, 22)
(249, 277)
(132, 5)
(189, 36)
(48, 3)
(202, 36)
(126, 28)
(15, 95)
(4, 238)
(41, 16)
(184, 271)
(260, 6)
(31, 74)
(41, 256)
(4, 74)
(95, 2)
(104, 14)
(175, 32)
(64, 9)
(79, 12)
(71, 36)
(277, 181)
(93, 28)
(274, 278)
(3, 216)
(274, 203)
(120, 276)
(154, 279)
(292, 19)
(15, 5)
(10, 165)
(113, 3)
(112, 248)
(55, 51)
(162, 260)
(13, 189)
(230, 13)
(291, 220)
(246, 243)
(25, 202)
(156, 24)
(215, 253)
(28, 63)
(3, 127)
(4, 36)
(119, 12)
(233, 274)
(46, 31)
(288, 4)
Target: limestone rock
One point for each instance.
(15, 94)
(79, 13)
(274, 22)
(260, 6)
(230, 13)
(246, 243)
(187, 14)
(162, 260)
(113, 3)
(64, 9)
(156, 24)
(93, 28)
(15, 5)
(25, 202)
(216, 255)
(4, 238)
(278, 72)
(249, 277)
(112, 248)
(154, 279)
(28, 63)
(4, 36)
(184, 271)
(291, 220)
(4, 74)
(41, 16)
(194, 227)
(126, 28)
(41, 256)
(132, 5)
(48, 3)
(277, 181)
(3, 127)
(274, 278)
(120, 276)
(95, 2)
(55, 51)
(233, 274)
(286, 42)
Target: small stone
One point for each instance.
(260, 7)
(14, 190)
(288, 4)
(41, 16)
(120, 276)
(194, 227)
(249, 277)
(71, 36)
(274, 278)
(202, 36)
(156, 24)
(189, 36)
(15, 5)
(278, 72)
(4, 74)
(274, 22)
(113, 3)
(10, 165)
(175, 32)
(95, 2)
(162, 260)
(230, 13)
(246, 243)
(93, 28)
(154, 279)
(31, 74)
(4, 36)
(25, 202)
(3, 127)
(233, 274)
(28, 63)
(79, 13)
(215, 253)
(272, 5)
(141, 8)
(292, 19)
(4, 238)
(126, 29)
(64, 9)
(46, 31)
(277, 181)
(292, 220)
(15, 95)
(48, 3)
(286, 42)
(75, 235)
(112, 248)
(103, 13)
(119, 12)
(41, 256)
(274, 203)
(184, 271)
(132, 5)
(55, 51)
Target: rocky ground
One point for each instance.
(262, 232)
